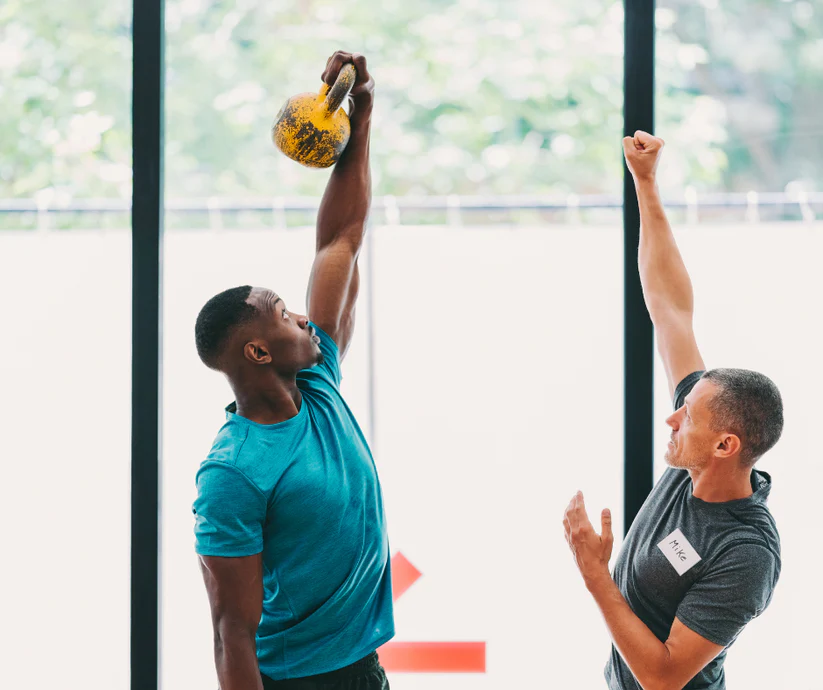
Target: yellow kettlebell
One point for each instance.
(312, 128)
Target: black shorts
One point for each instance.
(366, 674)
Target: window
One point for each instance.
(486, 368)
(65, 360)
(739, 93)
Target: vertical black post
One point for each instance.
(638, 113)
(147, 238)
(370, 335)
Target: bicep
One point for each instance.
(678, 349)
(333, 288)
(235, 590)
(689, 653)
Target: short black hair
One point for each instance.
(217, 319)
(747, 404)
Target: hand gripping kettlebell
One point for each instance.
(312, 128)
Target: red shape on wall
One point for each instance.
(403, 575)
(434, 657)
(427, 657)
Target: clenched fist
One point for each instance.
(643, 154)
(362, 94)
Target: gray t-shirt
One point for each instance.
(712, 565)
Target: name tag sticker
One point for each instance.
(679, 552)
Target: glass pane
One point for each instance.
(766, 319)
(477, 96)
(740, 95)
(492, 350)
(495, 322)
(65, 361)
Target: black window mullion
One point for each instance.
(638, 113)
(147, 238)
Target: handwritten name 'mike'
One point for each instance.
(678, 551)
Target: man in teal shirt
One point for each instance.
(289, 518)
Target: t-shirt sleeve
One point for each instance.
(685, 387)
(229, 512)
(329, 370)
(736, 589)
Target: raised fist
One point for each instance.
(643, 154)
(363, 91)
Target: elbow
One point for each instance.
(662, 677)
(660, 683)
(663, 309)
(230, 642)
(347, 240)
(229, 630)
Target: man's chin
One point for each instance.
(671, 461)
(678, 462)
(317, 361)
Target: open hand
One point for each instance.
(362, 92)
(591, 551)
(643, 154)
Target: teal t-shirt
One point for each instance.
(305, 493)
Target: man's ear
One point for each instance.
(728, 446)
(257, 352)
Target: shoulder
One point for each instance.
(228, 444)
(756, 528)
(756, 562)
(753, 518)
(238, 458)
(223, 486)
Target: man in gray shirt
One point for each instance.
(702, 557)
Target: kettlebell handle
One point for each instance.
(341, 88)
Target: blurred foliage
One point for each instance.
(740, 94)
(473, 96)
(65, 84)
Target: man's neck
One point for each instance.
(272, 403)
(719, 483)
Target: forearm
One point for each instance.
(235, 657)
(345, 204)
(646, 656)
(666, 284)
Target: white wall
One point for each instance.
(498, 357)
(757, 306)
(65, 414)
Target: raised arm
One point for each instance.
(341, 221)
(667, 288)
(235, 589)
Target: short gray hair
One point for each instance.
(747, 404)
